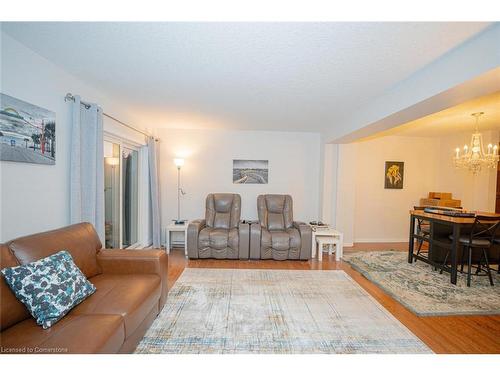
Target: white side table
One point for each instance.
(175, 228)
(336, 238)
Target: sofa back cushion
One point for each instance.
(80, 240)
(275, 211)
(223, 210)
(12, 311)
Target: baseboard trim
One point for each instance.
(380, 240)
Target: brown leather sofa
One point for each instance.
(220, 235)
(276, 236)
(131, 291)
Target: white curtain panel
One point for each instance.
(145, 230)
(87, 166)
(154, 184)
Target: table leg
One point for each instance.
(185, 243)
(167, 237)
(313, 245)
(453, 252)
(411, 243)
(340, 249)
(320, 251)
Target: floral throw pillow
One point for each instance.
(49, 287)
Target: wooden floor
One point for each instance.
(450, 334)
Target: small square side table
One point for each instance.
(175, 228)
(335, 237)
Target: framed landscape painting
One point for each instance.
(250, 171)
(394, 174)
(27, 132)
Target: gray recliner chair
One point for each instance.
(220, 235)
(276, 235)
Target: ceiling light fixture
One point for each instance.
(474, 158)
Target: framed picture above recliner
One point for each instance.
(250, 171)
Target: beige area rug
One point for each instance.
(274, 311)
(424, 291)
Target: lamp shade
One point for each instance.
(112, 161)
(108, 149)
(178, 162)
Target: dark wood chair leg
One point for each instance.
(444, 262)
(478, 269)
(488, 266)
(420, 243)
(469, 266)
(462, 260)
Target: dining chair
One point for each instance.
(480, 238)
(423, 230)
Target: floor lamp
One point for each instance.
(179, 163)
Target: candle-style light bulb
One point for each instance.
(465, 148)
(457, 151)
(495, 149)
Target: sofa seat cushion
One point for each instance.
(280, 244)
(72, 334)
(131, 296)
(218, 243)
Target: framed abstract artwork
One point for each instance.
(394, 174)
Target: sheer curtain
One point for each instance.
(87, 166)
(153, 151)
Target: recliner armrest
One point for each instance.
(136, 262)
(244, 238)
(305, 231)
(255, 235)
(193, 231)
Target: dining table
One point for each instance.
(455, 225)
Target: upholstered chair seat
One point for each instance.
(276, 235)
(220, 235)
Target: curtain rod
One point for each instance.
(70, 96)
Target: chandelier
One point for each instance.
(473, 157)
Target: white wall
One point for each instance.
(293, 169)
(36, 197)
(366, 212)
(382, 214)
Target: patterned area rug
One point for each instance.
(274, 311)
(423, 290)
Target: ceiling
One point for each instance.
(453, 120)
(261, 76)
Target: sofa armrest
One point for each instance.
(305, 231)
(193, 231)
(244, 238)
(136, 262)
(255, 235)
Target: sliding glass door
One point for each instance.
(112, 194)
(130, 210)
(121, 195)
